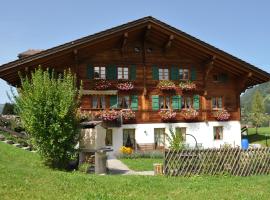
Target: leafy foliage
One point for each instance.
(175, 139)
(257, 115)
(47, 107)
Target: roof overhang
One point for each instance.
(240, 67)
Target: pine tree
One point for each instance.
(257, 115)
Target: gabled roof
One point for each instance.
(264, 76)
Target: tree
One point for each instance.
(257, 115)
(47, 107)
(8, 109)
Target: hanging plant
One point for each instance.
(167, 115)
(166, 85)
(222, 115)
(125, 86)
(102, 84)
(187, 85)
(128, 114)
(189, 114)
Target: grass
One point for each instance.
(141, 164)
(259, 138)
(23, 176)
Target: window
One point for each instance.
(164, 102)
(183, 74)
(129, 138)
(182, 131)
(163, 73)
(109, 138)
(186, 102)
(217, 103)
(159, 134)
(98, 101)
(122, 73)
(99, 73)
(123, 102)
(218, 132)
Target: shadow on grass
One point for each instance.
(257, 138)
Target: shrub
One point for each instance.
(47, 107)
(84, 167)
(175, 140)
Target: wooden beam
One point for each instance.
(209, 65)
(168, 44)
(124, 41)
(243, 81)
(147, 32)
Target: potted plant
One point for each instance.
(166, 85)
(128, 114)
(167, 115)
(189, 114)
(102, 84)
(221, 115)
(188, 85)
(125, 86)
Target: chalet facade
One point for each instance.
(155, 78)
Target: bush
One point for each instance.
(47, 107)
(84, 167)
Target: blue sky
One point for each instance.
(240, 27)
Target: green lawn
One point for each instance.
(259, 138)
(141, 164)
(22, 176)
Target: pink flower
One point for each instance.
(222, 115)
(167, 115)
(125, 86)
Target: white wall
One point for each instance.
(202, 131)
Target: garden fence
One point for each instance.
(233, 161)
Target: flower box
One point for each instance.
(128, 115)
(102, 84)
(187, 86)
(189, 114)
(167, 115)
(221, 115)
(109, 115)
(125, 86)
(166, 85)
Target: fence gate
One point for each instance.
(233, 161)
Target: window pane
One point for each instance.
(218, 133)
(109, 138)
(129, 138)
(102, 73)
(159, 136)
(186, 74)
(181, 74)
(214, 103)
(102, 102)
(123, 101)
(160, 74)
(94, 102)
(188, 102)
(182, 131)
(96, 72)
(167, 102)
(219, 102)
(161, 102)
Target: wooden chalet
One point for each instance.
(139, 66)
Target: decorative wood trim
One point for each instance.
(243, 81)
(147, 32)
(124, 42)
(168, 44)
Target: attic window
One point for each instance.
(136, 49)
(149, 50)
